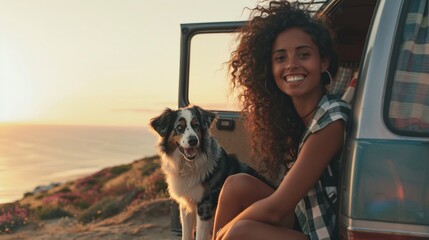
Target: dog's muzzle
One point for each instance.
(188, 153)
(191, 152)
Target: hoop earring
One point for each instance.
(266, 87)
(330, 76)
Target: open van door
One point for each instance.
(204, 50)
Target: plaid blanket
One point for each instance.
(341, 80)
(409, 105)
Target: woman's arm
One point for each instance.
(313, 159)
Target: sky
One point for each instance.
(96, 62)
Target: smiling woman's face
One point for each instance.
(296, 64)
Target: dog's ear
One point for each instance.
(207, 117)
(161, 123)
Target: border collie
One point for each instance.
(195, 166)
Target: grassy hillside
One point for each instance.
(90, 199)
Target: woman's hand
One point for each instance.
(222, 231)
(219, 234)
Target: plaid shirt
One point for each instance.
(315, 212)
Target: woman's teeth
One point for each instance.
(294, 78)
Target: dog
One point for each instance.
(195, 166)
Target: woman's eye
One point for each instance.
(304, 55)
(279, 58)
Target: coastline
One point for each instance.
(37, 155)
(126, 201)
(56, 178)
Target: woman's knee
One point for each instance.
(238, 183)
(245, 189)
(235, 188)
(239, 230)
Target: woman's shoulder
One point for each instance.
(331, 108)
(332, 103)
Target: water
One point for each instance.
(34, 155)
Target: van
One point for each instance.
(384, 45)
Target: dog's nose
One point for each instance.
(192, 141)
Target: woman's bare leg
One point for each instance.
(253, 230)
(238, 192)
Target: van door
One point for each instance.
(205, 50)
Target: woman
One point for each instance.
(282, 66)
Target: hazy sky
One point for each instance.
(98, 62)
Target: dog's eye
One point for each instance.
(195, 124)
(180, 128)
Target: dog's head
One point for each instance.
(184, 130)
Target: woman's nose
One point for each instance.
(291, 62)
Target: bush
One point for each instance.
(155, 186)
(149, 168)
(60, 199)
(120, 169)
(65, 190)
(52, 213)
(12, 217)
(106, 207)
(81, 204)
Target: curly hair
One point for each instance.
(275, 127)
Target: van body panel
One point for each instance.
(389, 183)
(388, 228)
(374, 71)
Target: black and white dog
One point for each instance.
(195, 166)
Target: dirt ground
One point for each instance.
(149, 220)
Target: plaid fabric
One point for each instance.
(341, 80)
(409, 105)
(315, 213)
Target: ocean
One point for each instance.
(37, 155)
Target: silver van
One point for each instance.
(383, 47)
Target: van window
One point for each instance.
(208, 74)
(408, 102)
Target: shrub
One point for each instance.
(28, 194)
(64, 190)
(106, 207)
(59, 199)
(80, 204)
(52, 213)
(12, 217)
(155, 186)
(120, 169)
(149, 168)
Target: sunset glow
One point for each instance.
(95, 62)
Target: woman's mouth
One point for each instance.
(294, 78)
